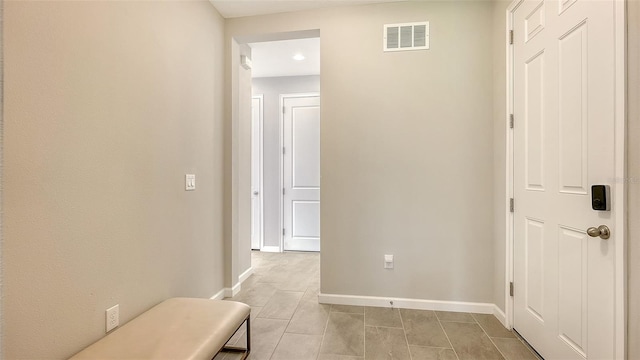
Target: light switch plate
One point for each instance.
(190, 182)
(388, 261)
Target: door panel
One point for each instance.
(534, 122)
(534, 22)
(306, 219)
(573, 112)
(306, 147)
(301, 199)
(563, 57)
(534, 239)
(572, 295)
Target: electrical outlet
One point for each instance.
(113, 317)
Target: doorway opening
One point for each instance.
(285, 144)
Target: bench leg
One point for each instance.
(246, 350)
(248, 336)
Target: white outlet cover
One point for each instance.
(112, 317)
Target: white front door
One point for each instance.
(563, 63)
(301, 175)
(256, 172)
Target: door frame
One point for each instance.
(619, 196)
(283, 97)
(261, 166)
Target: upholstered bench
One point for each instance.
(178, 328)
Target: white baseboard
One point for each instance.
(245, 275)
(500, 315)
(231, 292)
(275, 249)
(417, 304)
(219, 295)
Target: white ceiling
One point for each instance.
(239, 8)
(275, 58)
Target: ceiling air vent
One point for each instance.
(408, 36)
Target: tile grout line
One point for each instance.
(385, 327)
(405, 334)
(432, 347)
(490, 338)
(479, 324)
(364, 333)
(494, 344)
(285, 328)
(447, 336)
(458, 322)
(326, 325)
(281, 336)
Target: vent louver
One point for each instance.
(408, 36)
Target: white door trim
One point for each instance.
(283, 97)
(620, 151)
(261, 176)
(508, 278)
(619, 203)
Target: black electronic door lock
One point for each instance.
(600, 198)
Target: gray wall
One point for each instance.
(407, 149)
(633, 174)
(107, 106)
(272, 88)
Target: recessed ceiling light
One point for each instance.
(298, 57)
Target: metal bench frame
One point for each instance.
(236, 349)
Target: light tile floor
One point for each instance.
(288, 323)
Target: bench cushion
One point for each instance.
(178, 328)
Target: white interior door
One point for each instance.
(564, 78)
(301, 173)
(256, 172)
